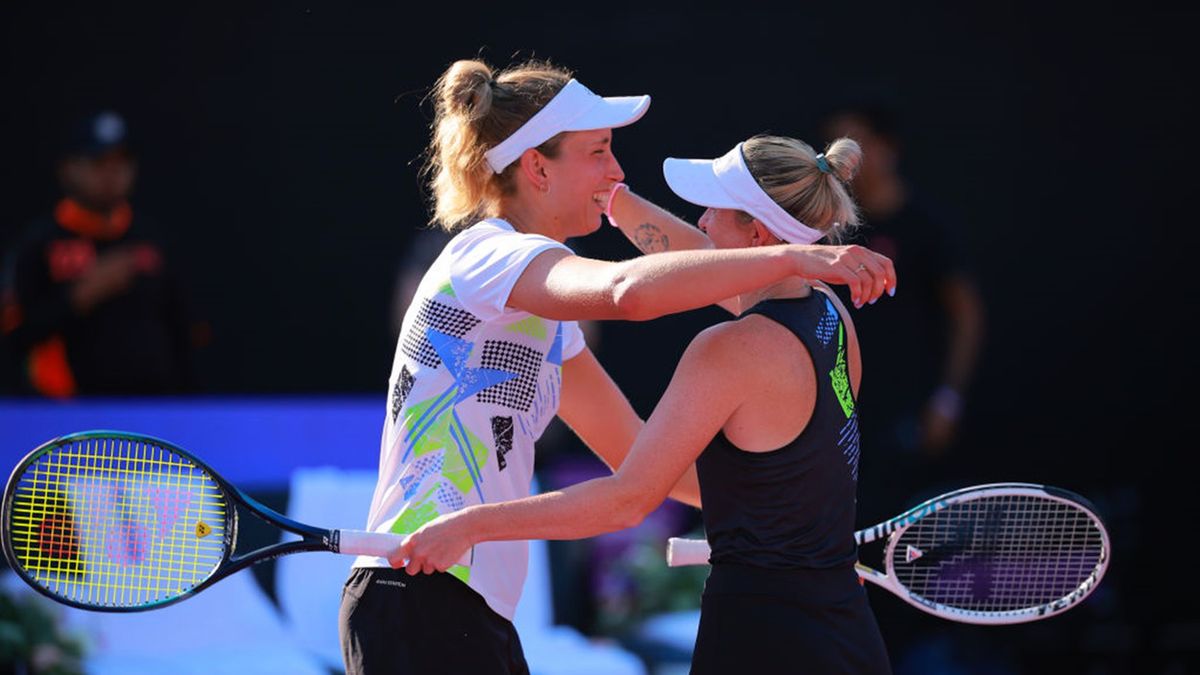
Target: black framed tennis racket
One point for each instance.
(988, 554)
(122, 522)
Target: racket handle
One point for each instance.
(360, 542)
(682, 551)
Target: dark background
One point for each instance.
(279, 146)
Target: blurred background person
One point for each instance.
(89, 305)
(923, 349)
(925, 343)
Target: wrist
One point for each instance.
(612, 196)
(797, 259)
(465, 522)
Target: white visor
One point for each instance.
(574, 108)
(726, 183)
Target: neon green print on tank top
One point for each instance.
(839, 377)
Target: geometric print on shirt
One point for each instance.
(434, 424)
(442, 318)
(517, 393)
(828, 324)
(848, 441)
(502, 434)
(462, 454)
(404, 385)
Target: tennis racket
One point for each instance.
(989, 554)
(120, 522)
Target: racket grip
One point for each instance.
(361, 542)
(682, 551)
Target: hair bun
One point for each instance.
(845, 158)
(467, 89)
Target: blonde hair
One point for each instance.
(474, 110)
(788, 171)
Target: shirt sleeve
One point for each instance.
(573, 341)
(486, 264)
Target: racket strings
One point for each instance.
(1000, 553)
(112, 522)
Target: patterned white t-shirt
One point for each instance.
(474, 383)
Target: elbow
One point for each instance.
(629, 299)
(631, 513)
(630, 519)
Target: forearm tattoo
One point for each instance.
(650, 239)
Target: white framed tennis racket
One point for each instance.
(999, 553)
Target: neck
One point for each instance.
(529, 216)
(791, 287)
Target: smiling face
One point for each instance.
(579, 179)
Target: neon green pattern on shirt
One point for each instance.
(415, 516)
(438, 437)
(420, 512)
(447, 289)
(839, 377)
(531, 326)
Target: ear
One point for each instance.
(533, 169)
(760, 235)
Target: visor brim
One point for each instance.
(612, 112)
(695, 181)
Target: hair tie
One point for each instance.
(823, 164)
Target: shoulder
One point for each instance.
(493, 237)
(741, 341)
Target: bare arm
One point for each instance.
(706, 389)
(559, 285)
(596, 410)
(965, 326)
(653, 229)
(965, 307)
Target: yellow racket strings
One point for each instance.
(114, 522)
(999, 554)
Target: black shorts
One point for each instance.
(391, 623)
(755, 620)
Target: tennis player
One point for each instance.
(764, 406)
(489, 350)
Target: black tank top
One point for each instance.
(791, 508)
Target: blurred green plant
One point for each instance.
(641, 585)
(32, 640)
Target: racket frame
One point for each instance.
(893, 528)
(312, 538)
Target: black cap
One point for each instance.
(96, 134)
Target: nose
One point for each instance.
(703, 222)
(614, 170)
